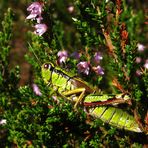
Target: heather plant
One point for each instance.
(102, 42)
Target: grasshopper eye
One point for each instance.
(47, 66)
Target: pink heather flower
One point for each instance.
(76, 55)
(97, 57)
(146, 64)
(138, 72)
(36, 90)
(98, 70)
(71, 9)
(39, 19)
(35, 10)
(56, 99)
(40, 29)
(83, 67)
(3, 121)
(62, 56)
(140, 47)
(138, 60)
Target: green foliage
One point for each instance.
(47, 120)
(8, 78)
(5, 35)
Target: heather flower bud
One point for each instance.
(35, 10)
(40, 29)
(62, 56)
(138, 60)
(138, 72)
(97, 57)
(36, 90)
(146, 64)
(83, 67)
(98, 70)
(70, 9)
(3, 121)
(76, 55)
(140, 47)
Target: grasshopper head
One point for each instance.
(47, 69)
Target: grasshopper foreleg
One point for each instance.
(78, 99)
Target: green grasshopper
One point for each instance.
(98, 106)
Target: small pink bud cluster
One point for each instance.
(146, 64)
(138, 60)
(35, 10)
(84, 66)
(36, 90)
(71, 9)
(3, 121)
(62, 56)
(141, 47)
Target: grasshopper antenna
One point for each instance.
(61, 44)
(39, 62)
